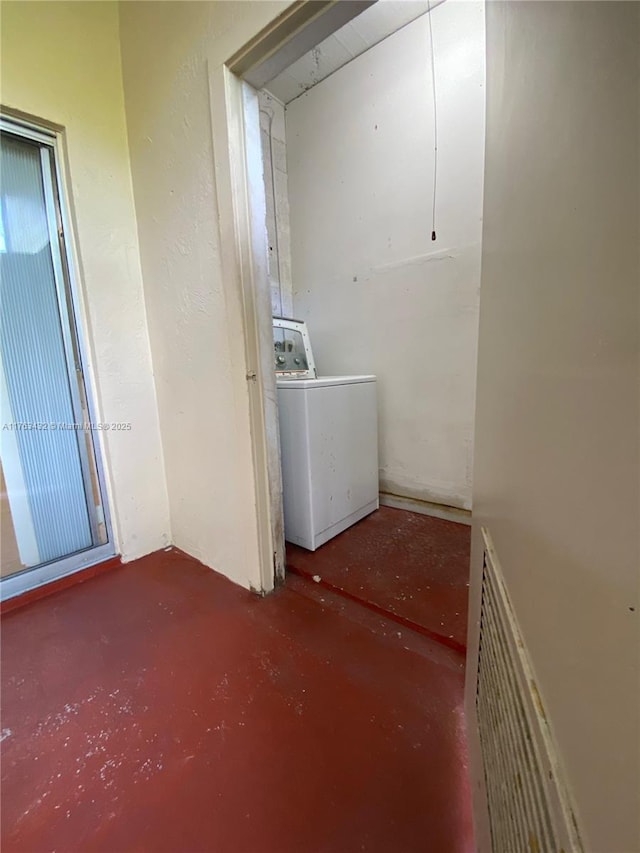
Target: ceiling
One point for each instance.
(357, 36)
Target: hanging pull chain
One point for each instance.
(435, 123)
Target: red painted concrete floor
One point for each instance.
(410, 565)
(160, 708)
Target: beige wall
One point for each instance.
(379, 296)
(167, 52)
(557, 432)
(61, 62)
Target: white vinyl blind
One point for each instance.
(37, 394)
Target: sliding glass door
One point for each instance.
(53, 513)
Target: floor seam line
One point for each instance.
(408, 624)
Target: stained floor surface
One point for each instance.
(160, 708)
(410, 565)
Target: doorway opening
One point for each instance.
(338, 146)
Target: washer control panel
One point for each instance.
(292, 349)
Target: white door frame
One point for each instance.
(243, 247)
(243, 238)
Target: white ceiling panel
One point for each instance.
(363, 32)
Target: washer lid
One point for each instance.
(324, 381)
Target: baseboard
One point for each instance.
(57, 585)
(448, 513)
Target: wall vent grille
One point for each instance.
(529, 809)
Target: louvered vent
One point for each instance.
(529, 809)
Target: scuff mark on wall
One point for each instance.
(419, 260)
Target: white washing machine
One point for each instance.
(328, 442)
